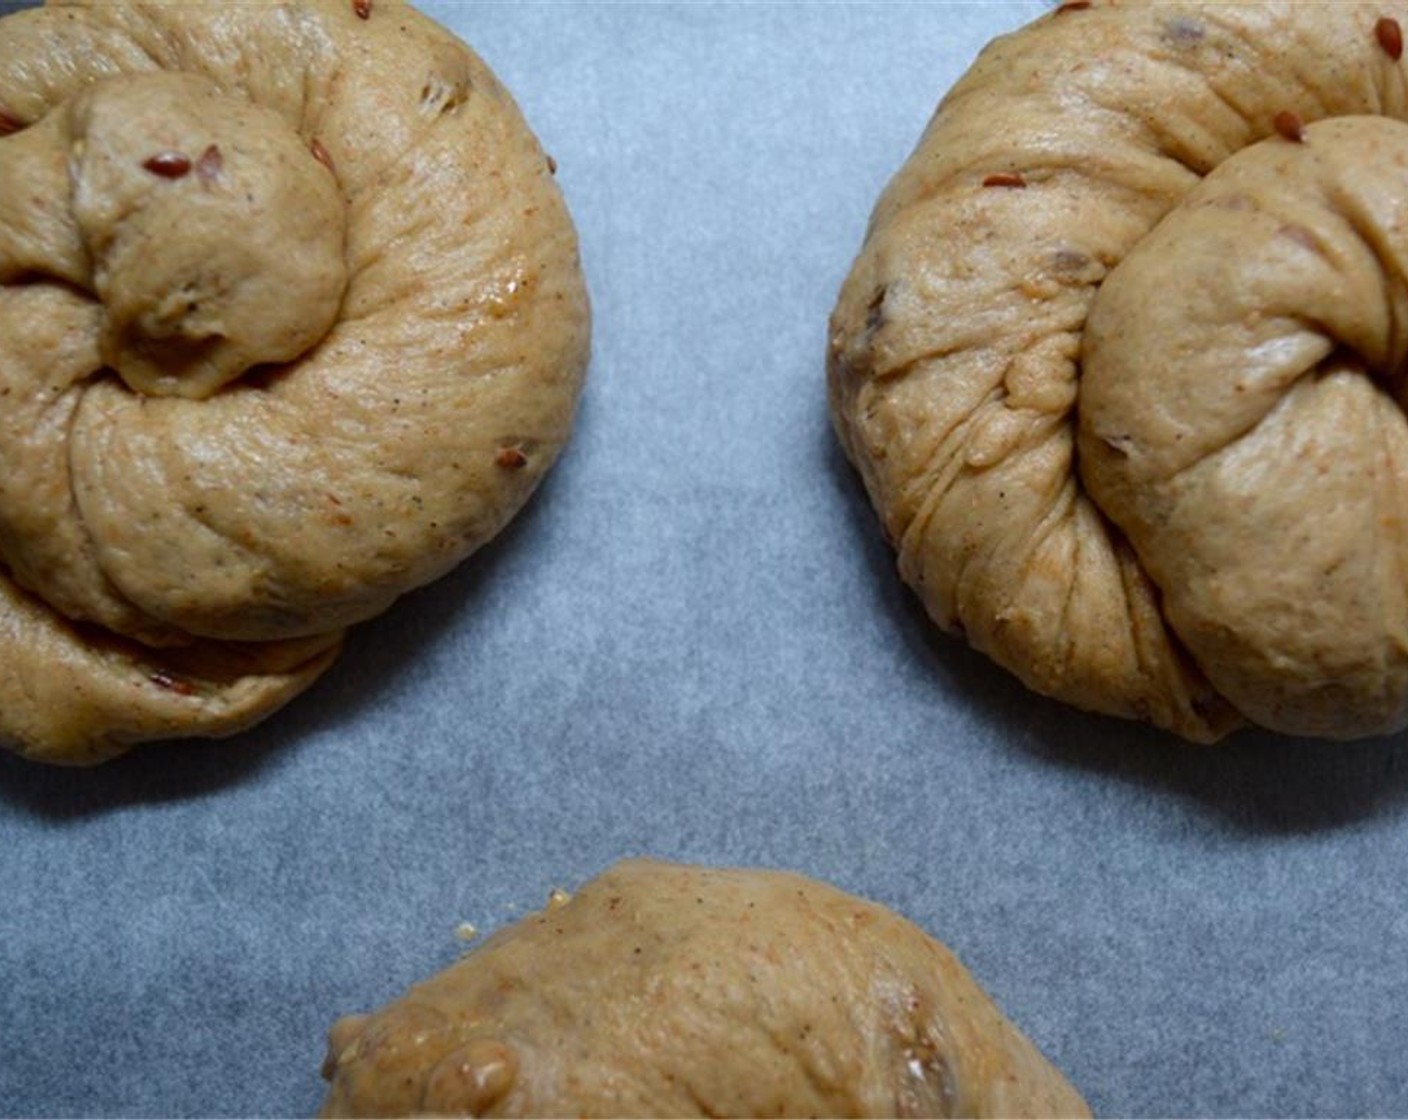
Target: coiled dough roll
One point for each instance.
(1121, 363)
(291, 321)
(667, 990)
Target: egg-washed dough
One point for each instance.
(668, 990)
(291, 321)
(1121, 360)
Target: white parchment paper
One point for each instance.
(693, 645)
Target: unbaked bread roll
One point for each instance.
(291, 321)
(666, 990)
(1121, 363)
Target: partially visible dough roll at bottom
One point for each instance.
(666, 990)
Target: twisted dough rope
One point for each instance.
(1174, 489)
(291, 321)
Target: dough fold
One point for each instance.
(1119, 363)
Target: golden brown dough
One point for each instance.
(667, 990)
(1120, 363)
(291, 321)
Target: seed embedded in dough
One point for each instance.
(210, 164)
(321, 154)
(1390, 36)
(168, 165)
(1005, 179)
(1290, 126)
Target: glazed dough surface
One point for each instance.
(291, 321)
(1121, 363)
(666, 990)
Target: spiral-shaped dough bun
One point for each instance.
(1122, 363)
(666, 990)
(291, 321)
